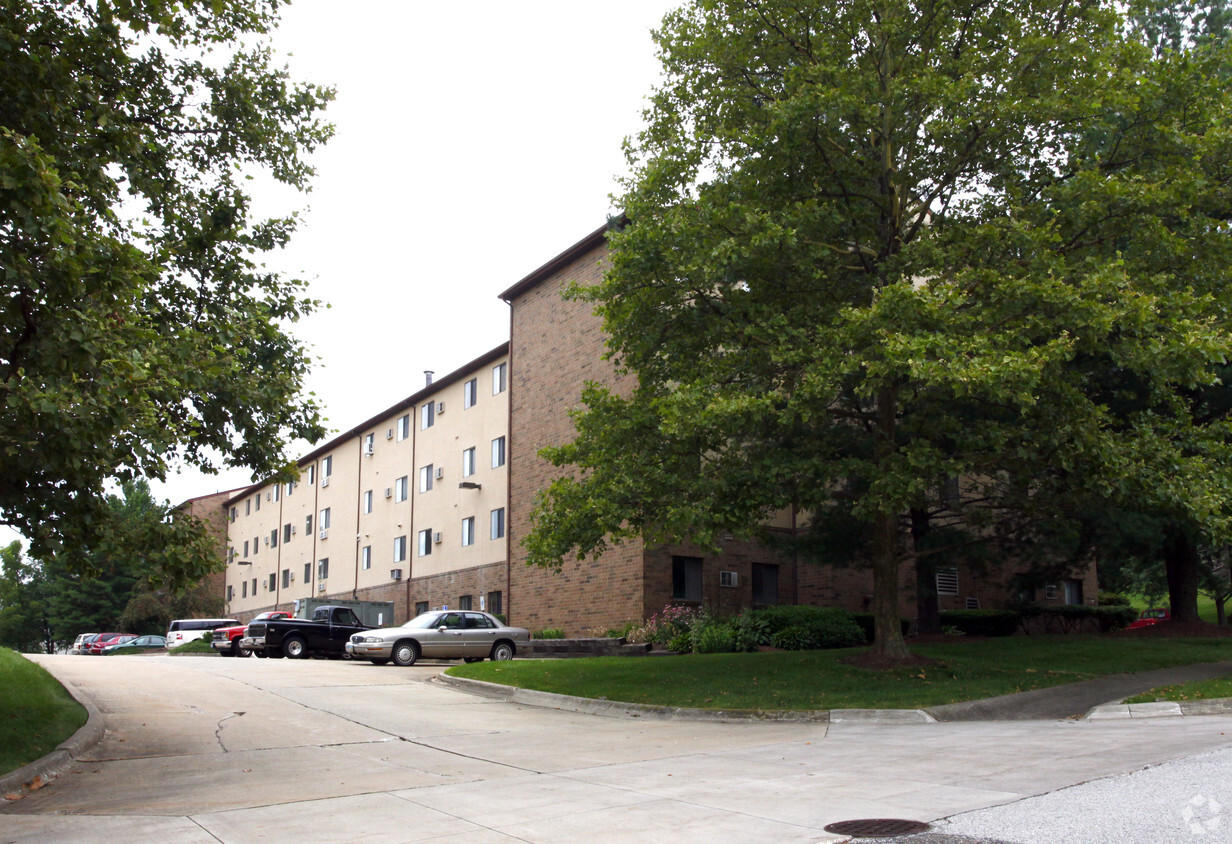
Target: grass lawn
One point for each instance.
(1204, 690)
(36, 713)
(964, 670)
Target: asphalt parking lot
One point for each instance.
(212, 749)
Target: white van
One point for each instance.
(186, 629)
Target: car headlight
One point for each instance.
(372, 640)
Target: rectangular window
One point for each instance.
(498, 452)
(247, 506)
(244, 589)
(235, 513)
(277, 492)
(404, 427)
(687, 578)
(495, 605)
(286, 533)
(468, 462)
(498, 523)
(947, 581)
(290, 487)
(427, 415)
(400, 488)
(286, 578)
(367, 502)
(399, 549)
(468, 531)
(464, 602)
(258, 502)
(425, 478)
(327, 468)
(307, 574)
(308, 524)
(1073, 591)
(365, 557)
(324, 523)
(254, 587)
(470, 393)
(500, 374)
(256, 545)
(425, 542)
(274, 538)
(245, 547)
(421, 607)
(765, 584)
(323, 569)
(370, 444)
(230, 593)
(312, 474)
(273, 584)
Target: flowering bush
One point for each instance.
(666, 625)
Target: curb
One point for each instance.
(1159, 709)
(17, 784)
(618, 709)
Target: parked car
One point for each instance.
(144, 642)
(81, 643)
(1149, 618)
(187, 629)
(228, 641)
(102, 640)
(441, 634)
(325, 634)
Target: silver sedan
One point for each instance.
(441, 634)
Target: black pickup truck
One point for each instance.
(326, 633)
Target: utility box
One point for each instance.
(371, 613)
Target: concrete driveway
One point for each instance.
(212, 749)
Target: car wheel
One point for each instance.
(295, 647)
(243, 651)
(502, 651)
(405, 653)
(379, 661)
(471, 659)
(259, 654)
(235, 648)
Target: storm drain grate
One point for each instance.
(877, 827)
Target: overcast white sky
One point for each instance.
(474, 143)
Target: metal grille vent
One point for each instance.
(877, 827)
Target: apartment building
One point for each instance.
(410, 507)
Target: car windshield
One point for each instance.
(430, 620)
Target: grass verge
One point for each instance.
(1220, 687)
(36, 713)
(803, 680)
(196, 646)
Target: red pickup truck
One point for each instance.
(227, 639)
(1151, 617)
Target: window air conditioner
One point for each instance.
(395, 574)
(440, 407)
(436, 537)
(325, 533)
(320, 587)
(440, 472)
(325, 481)
(729, 578)
(369, 449)
(389, 492)
(389, 433)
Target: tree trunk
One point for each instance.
(1181, 562)
(927, 610)
(888, 641)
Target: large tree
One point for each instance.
(876, 245)
(138, 328)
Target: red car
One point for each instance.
(1149, 618)
(226, 640)
(102, 640)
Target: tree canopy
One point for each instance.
(138, 328)
(876, 245)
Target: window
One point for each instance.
(230, 593)
(245, 547)
(468, 462)
(244, 589)
(247, 506)
(323, 568)
(421, 607)
(400, 488)
(498, 523)
(256, 545)
(324, 523)
(327, 468)
(365, 557)
(1073, 591)
(468, 531)
(312, 474)
(498, 452)
(274, 538)
(404, 427)
(427, 415)
(687, 578)
(947, 581)
(500, 374)
(765, 584)
(277, 492)
(290, 487)
(367, 502)
(494, 603)
(425, 478)
(464, 602)
(370, 444)
(308, 524)
(235, 513)
(286, 578)
(286, 532)
(273, 584)
(257, 497)
(470, 393)
(425, 542)
(254, 587)
(399, 549)
(307, 573)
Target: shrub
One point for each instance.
(665, 625)
(713, 637)
(550, 633)
(1113, 599)
(982, 622)
(789, 639)
(820, 627)
(681, 644)
(749, 630)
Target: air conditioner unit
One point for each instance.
(729, 578)
(440, 472)
(395, 574)
(389, 492)
(436, 537)
(369, 449)
(389, 433)
(325, 533)
(267, 540)
(320, 587)
(440, 407)
(267, 496)
(293, 530)
(325, 481)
